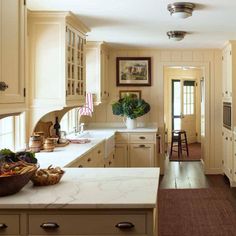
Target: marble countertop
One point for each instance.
(62, 156)
(91, 188)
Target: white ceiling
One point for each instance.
(144, 23)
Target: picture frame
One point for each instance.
(133, 71)
(136, 93)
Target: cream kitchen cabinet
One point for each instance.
(79, 222)
(93, 158)
(136, 149)
(227, 72)
(141, 155)
(56, 60)
(97, 59)
(228, 153)
(12, 56)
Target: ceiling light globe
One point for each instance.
(181, 15)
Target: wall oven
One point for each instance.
(227, 115)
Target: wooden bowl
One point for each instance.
(13, 184)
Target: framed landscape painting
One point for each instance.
(133, 71)
(134, 93)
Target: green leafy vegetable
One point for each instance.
(131, 107)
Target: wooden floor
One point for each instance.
(179, 175)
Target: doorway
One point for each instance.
(184, 109)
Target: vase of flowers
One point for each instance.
(130, 108)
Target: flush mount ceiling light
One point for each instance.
(181, 9)
(176, 35)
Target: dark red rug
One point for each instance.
(197, 212)
(194, 153)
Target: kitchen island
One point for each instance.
(91, 201)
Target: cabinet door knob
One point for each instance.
(3, 86)
(125, 225)
(49, 225)
(226, 138)
(89, 159)
(3, 226)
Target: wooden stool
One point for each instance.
(182, 142)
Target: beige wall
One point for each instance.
(209, 59)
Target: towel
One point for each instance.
(87, 109)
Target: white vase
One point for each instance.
(131, 123)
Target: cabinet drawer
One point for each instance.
(122, 138)
(9, 224)
(142, 138)
(86, 224)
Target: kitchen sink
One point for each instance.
(108, 136)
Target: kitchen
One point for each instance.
(43, 92)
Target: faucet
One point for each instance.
(79, 128)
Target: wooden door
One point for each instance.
(141, 155)
(12, 32)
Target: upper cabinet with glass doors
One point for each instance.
(12, 56)
(56, 59)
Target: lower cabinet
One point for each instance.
(141, 155)
(94, 158)
(135, 149)
(228, 153)
(79, 222)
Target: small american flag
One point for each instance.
(87, 109)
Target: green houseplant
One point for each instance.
(130, 107)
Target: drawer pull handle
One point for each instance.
(80, 166)
(3, 226)
(142, 137)
(125, 225)
(3, 86)
(49, 225)
(109, 163)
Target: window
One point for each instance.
(12, 132)
(68, 121)
(189, 97)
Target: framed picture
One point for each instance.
(133, 71)
(135, 93)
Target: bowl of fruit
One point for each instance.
(16, 169)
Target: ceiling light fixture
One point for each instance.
(181, 9)
(176, 35)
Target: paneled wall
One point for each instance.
(209, 60)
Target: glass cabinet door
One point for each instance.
(75, 63)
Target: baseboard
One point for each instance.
(215, 171)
